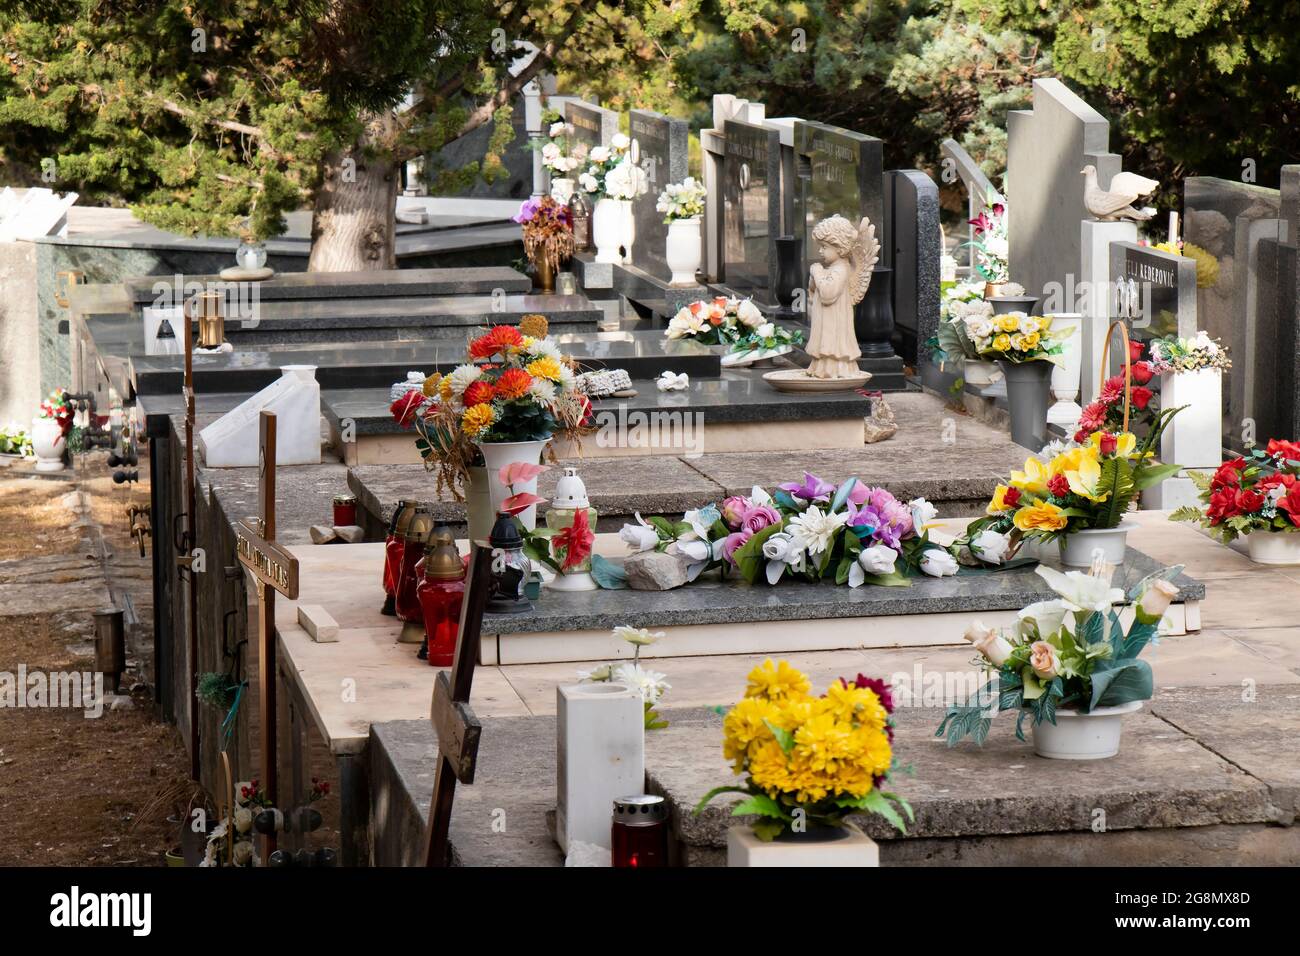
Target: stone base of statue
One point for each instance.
(240, 274)
(798, 380)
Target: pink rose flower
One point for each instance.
(759, 517)
(733, 510)
(732, 543)
(1043, 659)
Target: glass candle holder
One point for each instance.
(441, 593)
(639, 832)
(345, 510)
(566, 283)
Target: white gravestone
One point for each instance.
(231, 441)
(1094, 294)
(600, 756)
(1193, 438)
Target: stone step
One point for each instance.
(379, 284)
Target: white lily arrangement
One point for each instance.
(652, 685)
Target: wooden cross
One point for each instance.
(273, 569)
(457, 728)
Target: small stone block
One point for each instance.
(318, 622)
(351, 533)
(853, 849)
(322, 534)
(655, 571)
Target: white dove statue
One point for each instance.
(1116, 203)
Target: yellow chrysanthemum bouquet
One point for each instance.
(811, 761)
(1017, 337)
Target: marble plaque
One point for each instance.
(659, 148)
(751, 214)
(1155, 293)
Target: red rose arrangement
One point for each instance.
(1106, 413)
(1256, 492)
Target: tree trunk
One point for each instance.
(353, 225)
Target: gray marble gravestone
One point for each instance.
(592, 124)
(1155, 294)
(836, 172)
(1230, 221)
(659, 148)
(1047, 148)
(751, 212)
(911, 223)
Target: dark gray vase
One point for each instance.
(1028, 396)
(1002, 304)
(873, 317)
(789, 275)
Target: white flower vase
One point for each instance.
(497, 455)
(629, 230)
(562, 190)
(1065, 377)
(1080, 736)
(1273, 547)
(1079, 548)
(607, 230)
(683, 251)
(48, 444)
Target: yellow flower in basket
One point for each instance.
(1030, 341)
(1041, 516)
(1082, 470)
(998, 503)
(1002, 343)
(477, 419)
(1007, 323)
(545, 367)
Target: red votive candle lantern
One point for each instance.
(394, 545)
(345, 510)
(639, 834)
(441, 593)
(408, 606)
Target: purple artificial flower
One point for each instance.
(526, 212)
(733, 542)
(759, 517)
(733, 510)
(812, 489)
(864, 520)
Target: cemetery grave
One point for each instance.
(457, 544)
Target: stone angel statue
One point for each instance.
(835, 285)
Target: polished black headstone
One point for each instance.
(659, 148)
(751, 215)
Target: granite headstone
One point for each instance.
(1155, 294)
(592, 124)
(837, 172)
(751, 217)
(659, 148)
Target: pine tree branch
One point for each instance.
(171, 106)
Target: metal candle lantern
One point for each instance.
(394, 543)
(408, 605)
(345, 510)
(206, 307)
(441, 593)
(571, 512)
(510, 568)
(639, 834)
(110, 644)
(580, 217)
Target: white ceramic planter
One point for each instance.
(978, 373)
(845, 846)
(1078, 549)
(498, 454)
(629, 230)
(1065, 377)
(1079, 736)
(600, 756)
(607, 229)
(683, 250)
(48, 444)
(562, 190)
(1274, 547)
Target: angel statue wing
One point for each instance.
(866, 252)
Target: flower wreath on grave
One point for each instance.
(810, 761)
(1016, 337)
(233, 841)
(1174, 355)
(809, 530)
(1067, 653)
(548, 231)
(1257, 492)
(517, 386)
(738, 323)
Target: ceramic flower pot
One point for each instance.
(561, 190)
(1004, 304)
(979, 373)
(817, 846)
(48, 444)
(1079, 547)
(1273, 547)
(1028, 395)
(683, 251)
(544, 275)
(607, 230)
(1080, 736)
(629, 230)
(496, 455)
(478, 505)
